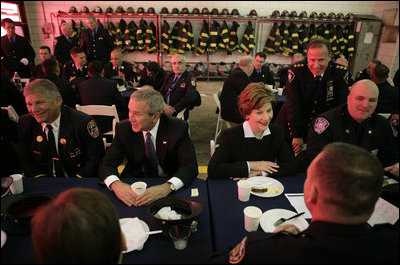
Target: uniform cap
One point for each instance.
(214, 11)
(253, 12)
(276, 13)
(196, 11)
(120, 9)
(72, 9)
(151, 10)
(97, 9)
(84, 9)
(225, 11)
(185, 10)
(205, 11)
(109, 10)
(235, 12)
(175, 10)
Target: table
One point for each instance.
(226, 211)
(19, 249)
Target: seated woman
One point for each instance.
(257, 147)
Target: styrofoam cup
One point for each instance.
(244, 189)
(280, 91)
(139, 187)
(252, 217)
(17, 186)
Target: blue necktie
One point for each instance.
(171, 87)
(150, 165)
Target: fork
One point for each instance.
(282, 220)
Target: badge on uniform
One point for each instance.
(92, 129)
(374, 152)
(193, 81)
(320, 125)
(290, 76)
(237, 254)
(39, 139)
(329, 91)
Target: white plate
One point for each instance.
(3, 238)
(269, 183)
(269, 217)
(130, 233)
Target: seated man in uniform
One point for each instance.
(99, 242)
(76, 70)
(179, 89)
(155, 145)
(356, 123)
(120, 70)
(55, 140)
(342, 186)
(153, 76)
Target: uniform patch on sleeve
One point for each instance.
(237, 254)
(193, 81)
(92, 128)
(290, 76)
(320, 125)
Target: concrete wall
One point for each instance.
(38, 12)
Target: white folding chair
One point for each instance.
(181, 116)
(212, 147)
(385, 115)
(101, 110)
(12, 114)
(220, 121)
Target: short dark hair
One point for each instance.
(350, 178)
(76, 50)
(254, 96)
(49, 66)
(153, 67)
(45, 48)
(376, 61)
(80, 226)
(316, 43)
(6, 20)
(381, 71)
(95, 67)
(261, 54)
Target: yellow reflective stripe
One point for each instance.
(40, 175)
(78, 176)
(204, 34)
(213, 33)
(138, 31)
(350, 49)
(189, 34)
(294, 47)
(213, 45)
(295, 35)
(165, 35)
(351, 37)
(226, 40)
(140, 41)
(148, 41)
(224, 31)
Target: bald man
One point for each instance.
(356, 123)
(237, 80)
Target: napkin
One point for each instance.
(166, 213)
(134, 232)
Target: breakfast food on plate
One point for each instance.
(259, 189)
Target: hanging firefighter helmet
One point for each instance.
(164, 10)
(140, 10)
(313, 15)
(303, 14)
(109, 10)
(350, 16)
(185, 10)
(285, 13)
(322, 15)
(85, 9)
(332, 15)
(151, 10)
(340, 16)
(72, 9)
(205, 11)
(196, 11)
(97, 9)
(175, 10)
(235, 12)
(120, 9)
(253, 12)
(276, 13)
(293, 14)
(225, 11)
(214, 11)
(130, 10)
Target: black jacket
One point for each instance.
(98, 48)
(265, 76)
(62, 48)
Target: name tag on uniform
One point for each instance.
(329, 91)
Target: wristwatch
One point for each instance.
(171, 186)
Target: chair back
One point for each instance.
(212, 147)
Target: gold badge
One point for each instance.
(39, 139)
(63, 141)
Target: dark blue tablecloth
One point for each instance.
(18, 249)
(227, 211)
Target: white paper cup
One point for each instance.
(280, 91)
(244, 189)
(139, 187)
(17, 186)
(252, 217)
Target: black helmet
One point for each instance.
(332, 15)
(120, 9)
(164, 10)
(214, 11)
(340, 16)
(293, 14)
(97, 9)
(140, 10)
(322, 15)
(303, 14)
(350, 16)
(109, 10)
(253, 12)
(276, 13)
(225, 11)
(285, 13)
(313, 15)
(130, 10)
(235, 12)
(185, 10)
(151, 10)
(175, 10)
(205, 11)
(72, 9)
(196, 11)
(85, 9)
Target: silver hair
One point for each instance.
(42, 86)
(151, 96)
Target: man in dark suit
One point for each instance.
(261, 72)
(54, 140)
(155, 144)
(153, 76)
(64, 43)
(120, 70)
(52, 71)
(388, 100)
(237, 80)
(16, 51)
(101, 91)
(96, 42)
(37, 70)
(179, 89)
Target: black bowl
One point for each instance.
(187, 208)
